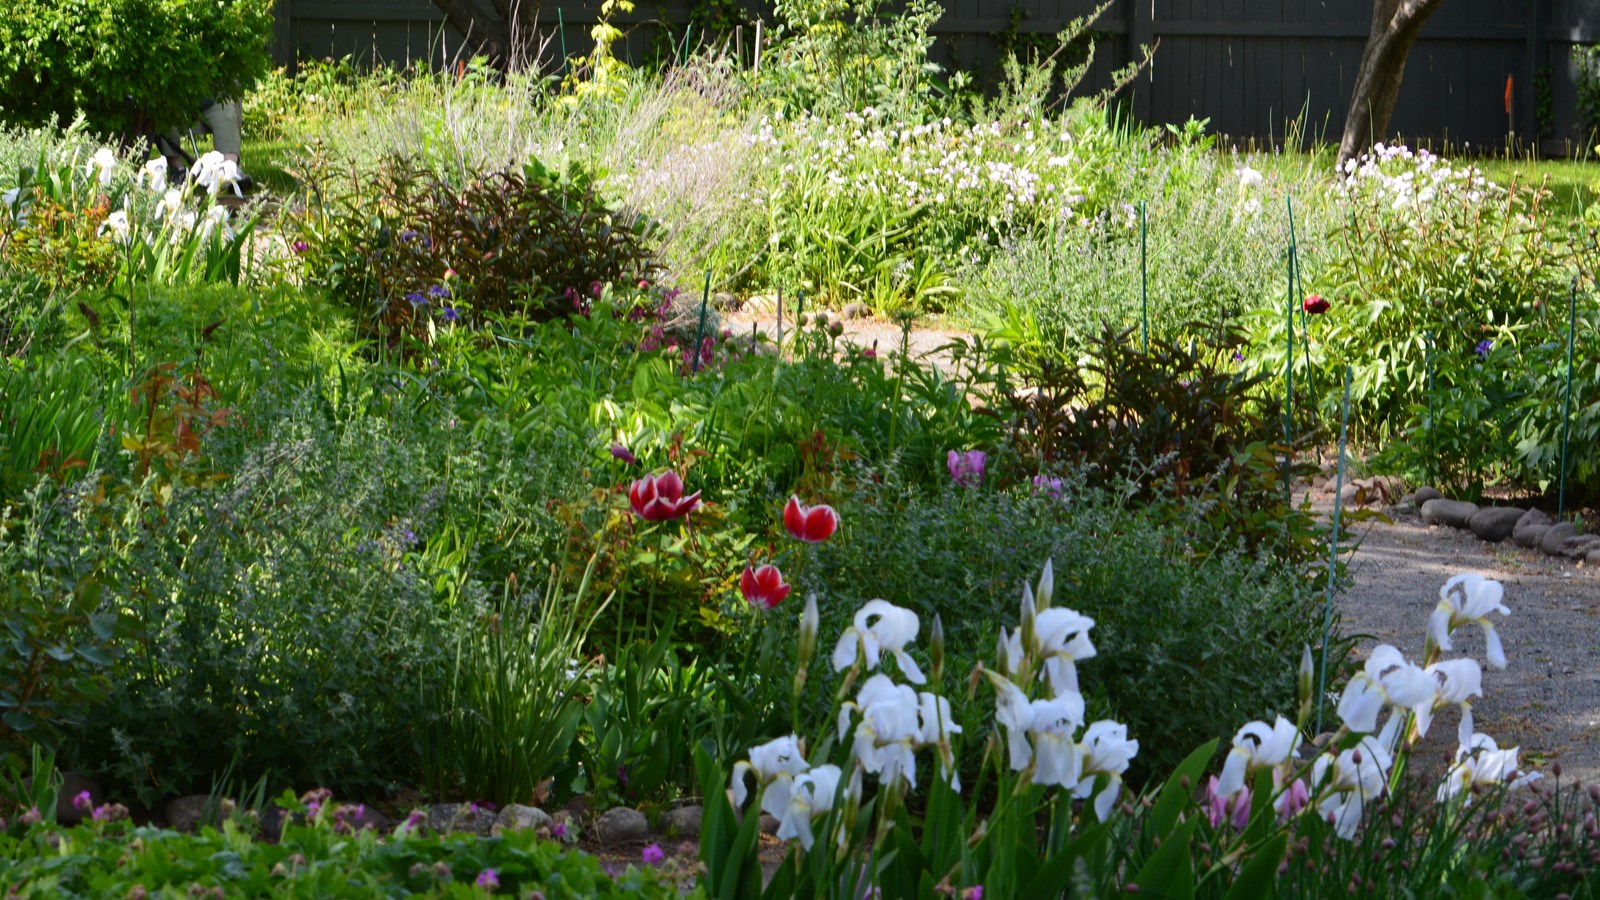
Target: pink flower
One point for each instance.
(812, 524)
(1235, 810)
(1045, 485)
(300, 247)
(1293, 799)
(658, 498)
(966, 468)
(763, 588)
(653, 855)
(972, 893)
(488, 880)
(1315, 305)
(83, 802)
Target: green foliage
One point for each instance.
(833, 56)
(512, 707)
(61, 638)
(1431, 259)
(263, 615)
(1586, 65)
(54, 409)
(1193, 635)
(131, 67)
(317, 857)
(1213, 249)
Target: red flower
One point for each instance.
(1316, 304)
(657, 498)
(763, 588)
(812, 524)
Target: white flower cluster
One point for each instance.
(889, 723)
(1008, 175)
(1340, 783)
(168, 210)
(1047, 646)
(1409, 181)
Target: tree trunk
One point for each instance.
(1395, 26)
(483, 34)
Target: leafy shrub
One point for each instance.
(832, 56)
(314, 593)
(1180, 423)
(62, 637)
(1216, 236)
(130, 66)
(530, 243)
(1425, 249)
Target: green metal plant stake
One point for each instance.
(1288, 390)
(700, 332)
(1144, 280)
(1566, 414)
(1299, 290)
(1333, 551)
(561, 31)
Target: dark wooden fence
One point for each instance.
(1258, 69)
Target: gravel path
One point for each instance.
(1547, 700)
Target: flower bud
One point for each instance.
(1303, 682)
(808, 632)
(1047, 586)
(936, 648)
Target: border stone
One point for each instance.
(1455, 513)
(1495, 523)
(1555, 539)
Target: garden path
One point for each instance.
(926, 338)
(1547, 700)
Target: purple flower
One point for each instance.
(439, 292)
(1045, 485)
(1483, 348)
(620, 452)
(416, 820)
(450, 314)
(83, 802)
(1235, 809)
(299, 247)
(653, 855)
(973, 893)
(488, 880)
(559, 831)
(1238, 356)
(31, 817)
(966, 467)
(417, 299)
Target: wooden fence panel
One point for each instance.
(1252, 67)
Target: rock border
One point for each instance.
(1531, 528)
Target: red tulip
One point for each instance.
(1316, 304)
(763, 588)
(812, 524)
(657, 498)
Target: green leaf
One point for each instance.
(1258, 875)
(1169, 872)
(1175, 795)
